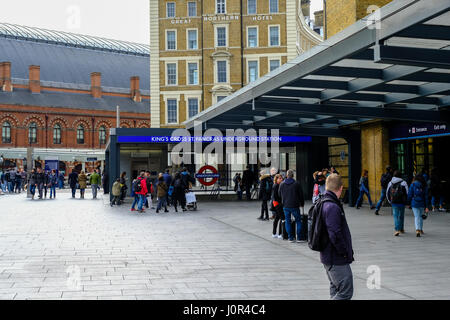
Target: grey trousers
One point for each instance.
(341, 281)
(94, 190)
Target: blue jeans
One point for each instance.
(94, 190)
(33, 189)
(141, 201)
(53, 190)
(298, 220)
(161, 202)
(382, 197)
(74, 191)
(135, 201)
(60, 184)
(11, 187)
(363, 191)
(399, 217)
(3, 186)
(433, 201)
(418, 220)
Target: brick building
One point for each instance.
(203, 51)
(59, 93)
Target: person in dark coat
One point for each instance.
(40, 180)
(291, 194)
(178, 195)
(277, 205)
(73, 181)
(384, 181)
(436, 190)
(265, 193)
(248, 179)
(32, 183)
(338, 253)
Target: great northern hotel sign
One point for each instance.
(221, 18)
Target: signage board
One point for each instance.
(418, 131)
(203, 174)
(179, 139)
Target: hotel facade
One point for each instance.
(203, 51)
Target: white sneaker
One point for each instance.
(301, 241)
(280, 236)
(274, 236)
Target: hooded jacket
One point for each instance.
(416, 198)
(265, 187)
(403, 184)
(291, 194)
(143, 183)
(339, 250)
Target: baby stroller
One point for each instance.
(191, 201)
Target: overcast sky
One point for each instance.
(114, 19)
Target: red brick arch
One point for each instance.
(83, 121)
(126, 124)
(106, 123)
(63, 122)
(12, 119)
(143, 124)
(40, 122)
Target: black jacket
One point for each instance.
(339, 249)
(291, 193)
(248, 178)
(40, 177)
(265, 188)
(73, 180)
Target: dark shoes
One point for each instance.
(372, 207)
(418, 233)
(376, 212)
(260, 218)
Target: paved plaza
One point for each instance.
(84, 249)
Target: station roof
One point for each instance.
(392, 65)
(68, 59)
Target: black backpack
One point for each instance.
(317, 232)
(385, 179)
(137, 185)
(397, 193)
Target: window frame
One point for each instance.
(167, 73)
(224, 6)
(188, 13)
(248, 7)
(217, 71)
(102, 139)
(216, 34)
(269, 27)
(257, 36)
(248, 70)
(189, 107)
(32, 133)
(188, 40)
(167, 39)
(274, 59)
(189, 74)
(270, 7)
(57, 132)
(82, 130)
(174, 9)
(7, 138)
(176, 110)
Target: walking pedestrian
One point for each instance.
(418, 197)
(134, 195)
(32, 183)
(18, 182)
(40, 181)
(162, 189)
(116, 192)
(291, 194)
(123, 184)
(364, 190)
(61, 180)
(82, 182)
(384, 181)
(3, 181)
(265, 192)
(52, 183)
(319, 186)
(46, 183)
(337, 255)
(277, 205)
(12, 180)
(397, 195)
(149, 197)
(95, 181)
(168, 181)
(73, 182)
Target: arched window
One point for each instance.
(57, 134)
(102, 135)
(6, 132)
(80, 134)
(32, 133)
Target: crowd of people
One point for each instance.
(165, 191)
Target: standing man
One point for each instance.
(18, 182)
(291, 194)
(247, 180)
(73, 181)
(23, 174)
(61, 180)
(385, 179)
(40, 180)
(338, 253)
(52, 182)
(95, 181)
(168, 181)
(12, 180)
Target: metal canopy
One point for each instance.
(397, 68)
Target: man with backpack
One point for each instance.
(397, 195)
(329, 233)
(140, 188)
(385, 179)
(291, 194)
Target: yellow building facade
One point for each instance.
(203, 51)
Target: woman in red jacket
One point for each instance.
(141, 190)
